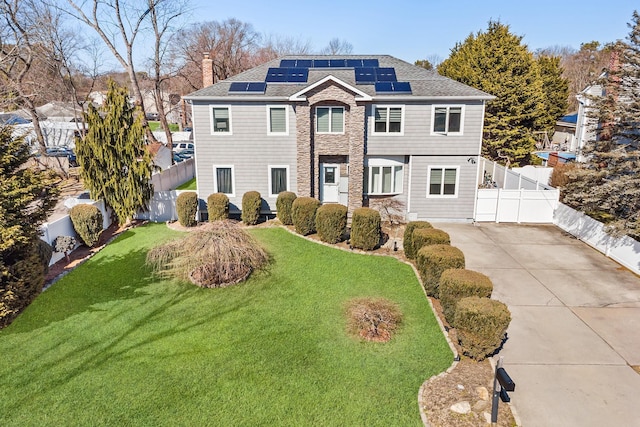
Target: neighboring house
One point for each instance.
(356, 130)
(565, 133)
(162, 157)
(585, 126)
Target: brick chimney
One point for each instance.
(207, 70)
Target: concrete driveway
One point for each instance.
(575, 329)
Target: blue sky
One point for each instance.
(417, 29)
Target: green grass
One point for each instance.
(189, 185)
(110, 344)
(155, 125)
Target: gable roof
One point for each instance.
(425, 84)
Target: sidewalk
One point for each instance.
(573, 338)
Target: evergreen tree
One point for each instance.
(497, 63)
(27, 197)
(556, 91)
(115, 165)
(607, 187)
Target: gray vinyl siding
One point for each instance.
(249, 149)
(460, 208)
(417, 138)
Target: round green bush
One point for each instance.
(218, 207)
(187, 207)
(407, 240)
(331, 222)
(303, 213)
(87, 221)
(251, 202)
(433, 260)
(481, 325)
(365, 229)
(458, 283)
(284, 206)
(429, 236)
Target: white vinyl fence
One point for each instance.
(172, 177)
(624, 250)
(64, 227)
(506, 195)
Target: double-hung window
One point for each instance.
(447, 119)
(221, 120)
(442, 181)
(278, 121)
(223, 180)
(388, 119)
(330, 119)
(383, 176)
(278, 180)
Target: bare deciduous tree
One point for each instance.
(337, 46)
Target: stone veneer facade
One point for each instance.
(310, 146)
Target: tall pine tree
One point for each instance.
(27, 197)
(556, 92)
(607, 187)
(498, 63)
(115, 165)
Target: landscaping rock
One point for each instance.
(463, 407)
(483, 393)
(487, 417)
(480, 406)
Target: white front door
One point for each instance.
(329, 183)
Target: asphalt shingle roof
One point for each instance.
(424, 83)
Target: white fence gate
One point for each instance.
(509, 196)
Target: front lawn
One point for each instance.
(109, 344)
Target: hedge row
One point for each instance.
(331, 222)
(407, 242)
(365, 229)
(481, 325)
(458, 283)
(303, 214)
(432, 260)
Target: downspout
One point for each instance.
(475, 204)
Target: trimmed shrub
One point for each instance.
(45, 253)
(284, 206)
(187, 206)
(303, 214)
(251, 202)
(87, 221)
(481, 324)
(331, 222)
(407, 241)
(218, 207)
(428, 236)
(433, 260)
(458, 283)
(365, 229)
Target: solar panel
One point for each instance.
(257, 87)
(238, 87)
(320, 63)
(385, 74)
(245, 87)
(365, 75)
(370, 63)
(297, 75)
(393, 87)
(304, 63)
(286, 63)
(287, 75)
(337, 63)
(355, 63)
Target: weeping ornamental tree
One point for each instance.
(607, 186)
(497, 63)
(27, 197)
(115, 165)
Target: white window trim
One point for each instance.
(233, 179)
(443, 196)
(213, 132)
(269, 178)
(286, 116)
(387, 133)
(385, 162)
(447, 106)
(344, 120)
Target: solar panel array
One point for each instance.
(367, 71)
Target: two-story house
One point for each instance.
(344, 129)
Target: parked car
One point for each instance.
(180, 157)
(181, 146)
(61, 151)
